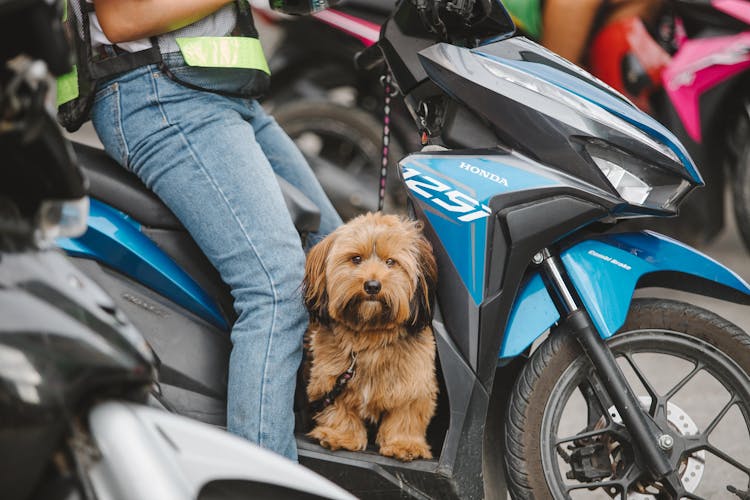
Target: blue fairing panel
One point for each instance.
(532, 314)
(605, 272)
(116, 241)
(458, 189)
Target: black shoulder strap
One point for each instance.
(245, 19)
(124, 61)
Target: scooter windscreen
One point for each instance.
(550, 110)
(497, 21)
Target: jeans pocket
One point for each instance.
(106, 116)
(105, 91)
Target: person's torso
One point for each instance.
(220, 23)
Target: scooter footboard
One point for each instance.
(605, 272)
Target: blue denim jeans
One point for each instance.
(212, 160)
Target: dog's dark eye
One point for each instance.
(390, 262)
(357, 259)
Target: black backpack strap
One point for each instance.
(121, 62)
(245, 22)
(124, 61)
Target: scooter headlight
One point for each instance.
(638, 182)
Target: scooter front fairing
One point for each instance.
(605, 272)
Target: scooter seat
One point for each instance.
(115, 186)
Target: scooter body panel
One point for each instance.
(155, 454)
(116, 240)
(458, 189)
(557, 108)
(605, 272)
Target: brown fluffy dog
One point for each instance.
(369, 288)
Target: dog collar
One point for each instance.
(341, 381)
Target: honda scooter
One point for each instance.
(75, 374)
(554, 380)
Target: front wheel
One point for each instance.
(689, 368)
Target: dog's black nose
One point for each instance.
(372, 286)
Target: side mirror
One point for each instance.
(61, 219)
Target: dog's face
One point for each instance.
(376, 272)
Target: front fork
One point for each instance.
(648, 438)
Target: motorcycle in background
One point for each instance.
(75, 374)
(692, 72)
(531, 169)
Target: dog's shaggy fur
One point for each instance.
(369, 288)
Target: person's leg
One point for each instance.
(566, 26)
(287, 161)
(199, 154)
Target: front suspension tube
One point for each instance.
(643, 430)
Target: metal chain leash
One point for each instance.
(386, 81)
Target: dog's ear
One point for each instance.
(314, 283)
(424, 296)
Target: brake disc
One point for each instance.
(692, 467)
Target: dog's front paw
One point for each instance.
(334, 439)
(406, 451)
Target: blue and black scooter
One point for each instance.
(530, 166)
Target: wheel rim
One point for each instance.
(600, 439)
(682, 424)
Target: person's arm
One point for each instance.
(128, 20)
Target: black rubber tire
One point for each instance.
(357, 126)
(741, 195)
(533, 388)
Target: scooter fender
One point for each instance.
(605, 272)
